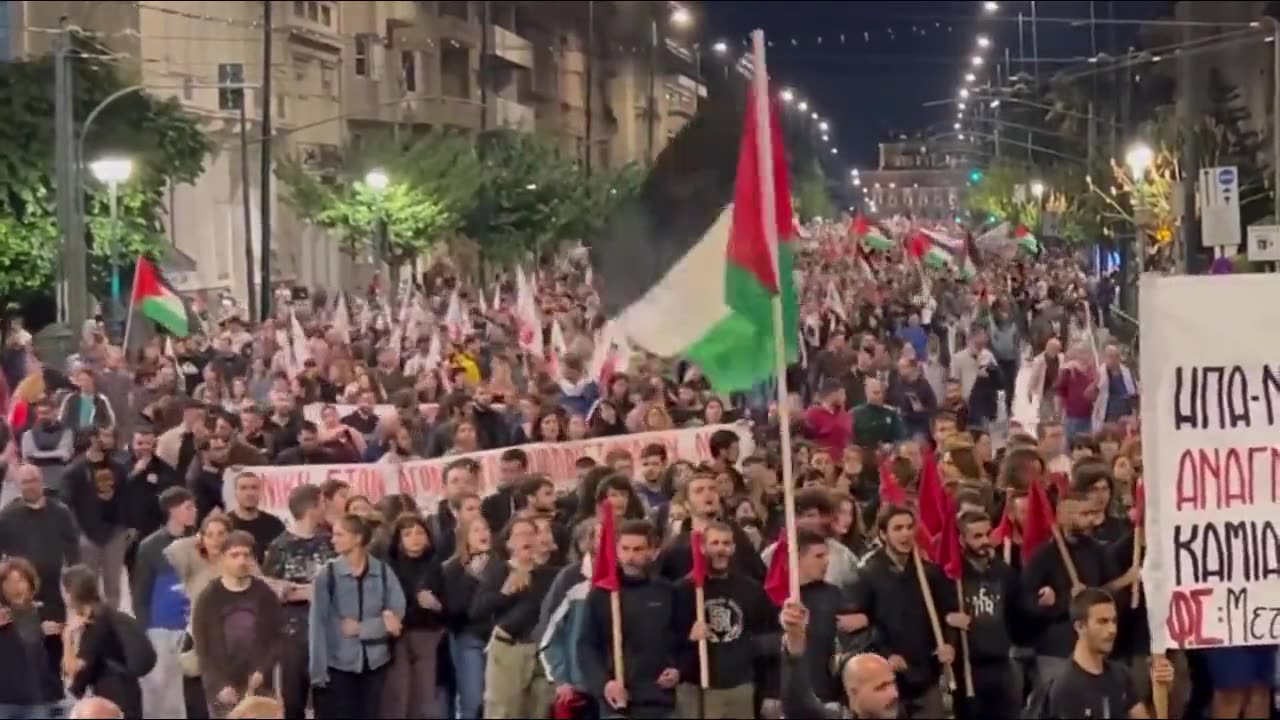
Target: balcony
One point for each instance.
(450, 28)
(510, 47)
(513, 115)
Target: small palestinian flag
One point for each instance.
(1026, 240)
(156, 299)
(933, 255)
(687, 267)
(870, 236)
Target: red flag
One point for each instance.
(1038, 528)
(950, 554)
(777, 582)
(699, 573)
(932, 497)
(1138, 513)
(1060, 482)
(891, 493)
(605, 573)
(1004, 531)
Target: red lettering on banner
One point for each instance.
(1186, 618)
(1224, 478)
(366, 480)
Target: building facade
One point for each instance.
(917, 177)
(344, 70)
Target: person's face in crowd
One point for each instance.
(223, 428)
(30, 484)
(1081, 452)
(608, 413)
(873, 692)
(365, 403)
(900, 534)
(908, 370)
(704, 496)
(1099, 629)
(843, 520)
(282, 403)
(634, 554)
(814, 520)
(618, 501)
(308, 440)
(414, 540)
(977, 540)
(651, 467)
(820, 460)
(211, 375)
(802, 455)
(683, 473)
(238, 562)
(218, 452)
(521, 543)
(1111, 356)
(469, 509)
(982, 448)
(144, 444)
(656, 419)
(714, 412)
(572, 373)
(510, 470)
(577, 427)
(625, 467)
(44, 414)
(84, 381)
(1100, 494)
(17, 590)
(329, 418)
(1122, 470)
(465, 436)
(875, 392)
(730, 454)
(248, 492)
(458, 481)
(550, 427)
(619, 388)
(978, 340)
(544, 501)
(544, 541)
(251, 422)
(344, 541)
(851, 461)
(185, 514)
(1054, 442)
(104, 440)
(952, 394)
(745, 511)
(1079, 516)
(1109, 448)
(213, 537)
(725, 485)
(719, 548)
(813, 563)
(911, 451)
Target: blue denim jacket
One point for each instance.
(338, 594)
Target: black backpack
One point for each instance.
(139, 653)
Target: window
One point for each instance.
(299, 68)
(230, 74)
(313, 11)
(188, 89)
(409, 66)
(281, 107)
(362, 55)
(299, 8)
(326, 15)
(326, 79)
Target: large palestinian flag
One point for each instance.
(687, 269)
(870, 235)
(156, 299)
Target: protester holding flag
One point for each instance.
(988, 615)
(706, 507)
(740, 629)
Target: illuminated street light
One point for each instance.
(721, 47)
(990, 6)
(961, 136)
(803, 106)
(1037, 189)
(857, 182)
(814, 116)
(977, 61)
(826, 138)
(681, 17)
(970, 77)
(962, 106)
(835, 151)
(377, 179)
(1139, 158)
(964, 92)
(787, 96)
(112, 170)
(984, 41)
(994, 104)
(823, 126)
(956, 126)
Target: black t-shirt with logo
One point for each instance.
(1078, 693)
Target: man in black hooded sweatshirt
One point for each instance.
(649, 636)
(988, 615)
(888, 594)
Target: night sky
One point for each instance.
(878, 62)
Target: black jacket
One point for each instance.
(742, 625)
(498, 508)
(415, 575)
(206, 484)
(30, 675)
(649, 640)
(1056, 637)
(142, 495)
(99, 509)
(892, 600)
(991, 599)
(443, 529)
(459, 595)
(676, 561)
(516, 614)
(48, 538)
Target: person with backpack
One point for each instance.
(104, 651)
(1091, 684)
(238, 627)
(357, 608)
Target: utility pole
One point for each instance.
(265, 199)
(484, 65)
(245, 200)
(591, 48)
(652, 109)
(57, 341)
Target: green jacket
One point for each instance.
(875, 425)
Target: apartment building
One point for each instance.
(344, 70)
(917, 176)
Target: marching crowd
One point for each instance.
(140, 567)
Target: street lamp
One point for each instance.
(991, 6)
(977, 61)
(1139, 158)
(835, 151)
(857, 182)
(826, 138)
(377, 180)
(803, 106)
(956, 126)
(823, 126)
(994, 104)
(814, 116)
(113, 171)
(961, 106)
(681, 17)
(970, 77)
(964, 92)
(787, 96)
(720, 47)
(1037, 189)
(984, 41)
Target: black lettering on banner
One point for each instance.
(1238, 397)
(1225, 553)
(1252, 624)
(1270, 386)
(1184, 399)
(1207, 374)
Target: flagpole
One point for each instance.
(764, 157)
(128, 319)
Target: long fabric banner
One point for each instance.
(424, 480)
(313, 411)
(1211, 449)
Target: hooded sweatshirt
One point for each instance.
(418, 574)
(741, 627)
(649, 640)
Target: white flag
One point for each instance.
(484, 304)
(497, 298)
(453, 319)
(530, 327)
(342, 319)
(298, 342)
(435, 353)
(834, 302)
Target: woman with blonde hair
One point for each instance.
(656, 419)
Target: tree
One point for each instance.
(433, 182)
(164, 142)
(810, 195)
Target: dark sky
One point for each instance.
(878, 62)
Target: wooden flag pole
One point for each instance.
(1138, 538)
(964, 642)
(932, 611)
(764, 158)
(128, 318)
(1007, 544)
(1159, 692)
(1066, 557)
(704, 658)
(615, 610)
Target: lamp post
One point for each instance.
(377, 181)
(1139, 157)
(112, 172)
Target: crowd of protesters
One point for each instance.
(123, 473)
